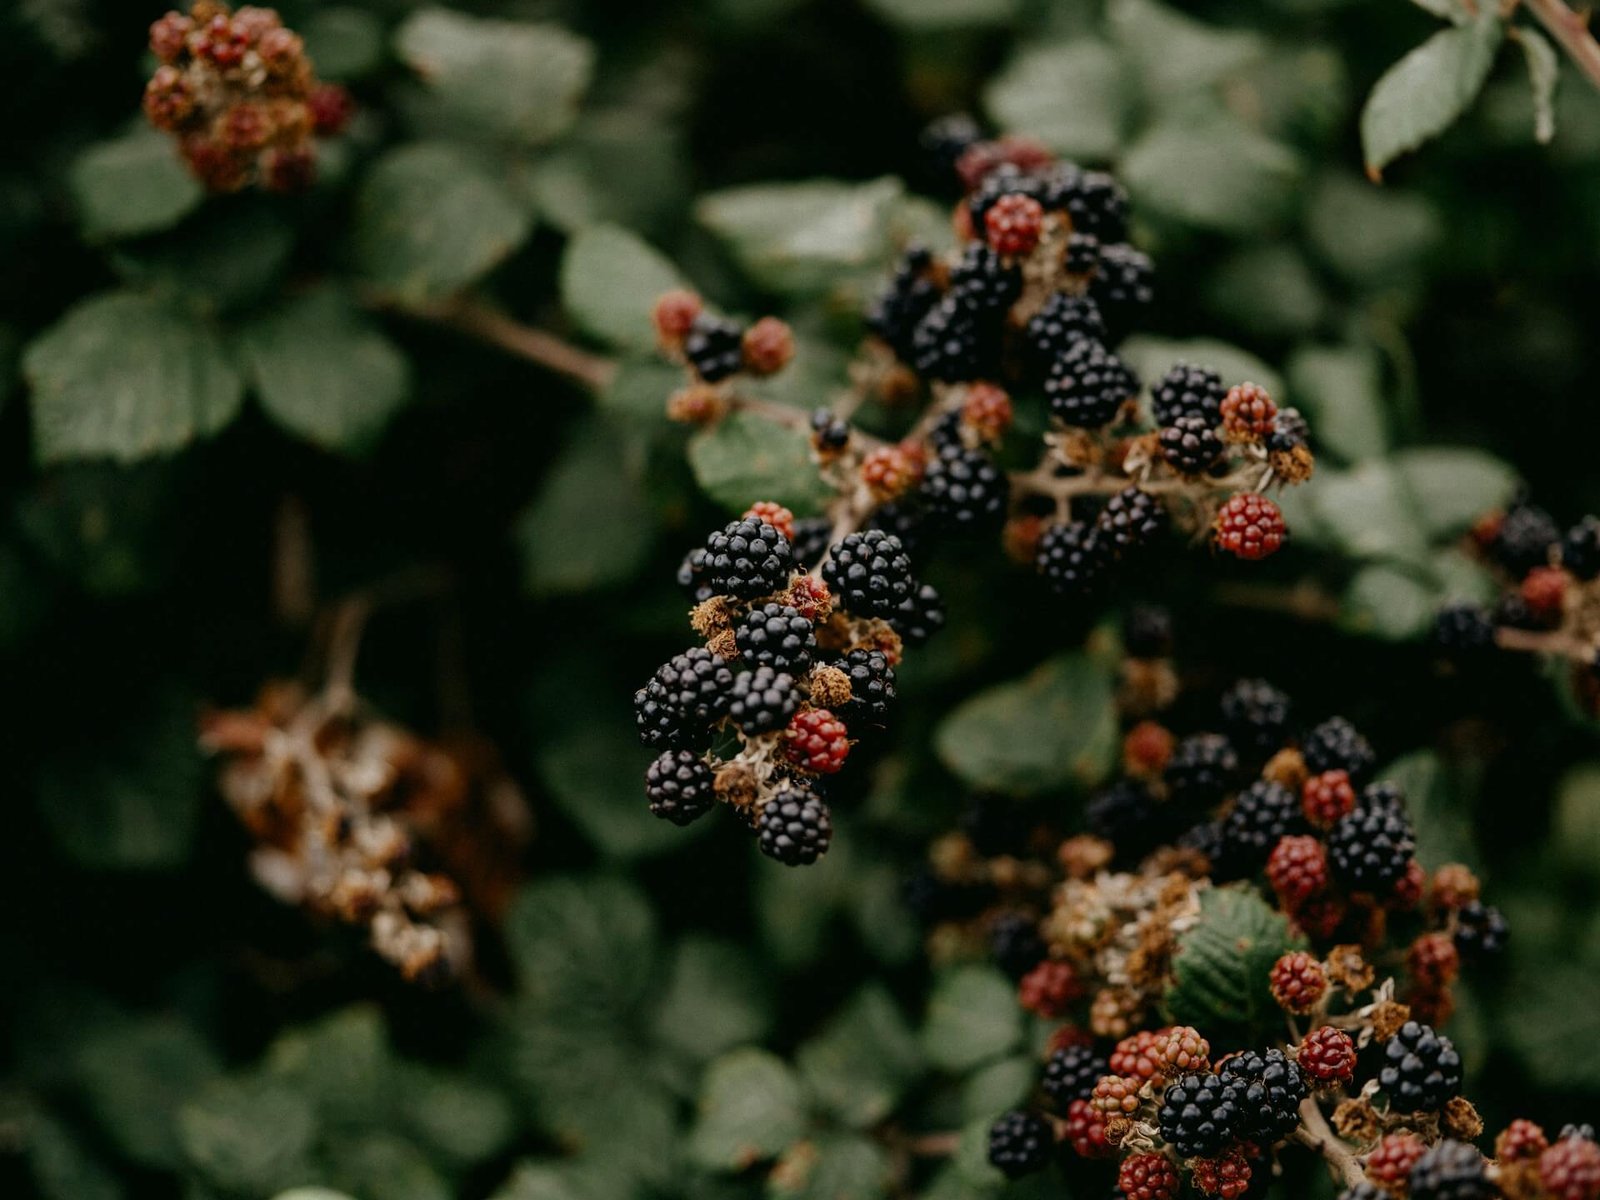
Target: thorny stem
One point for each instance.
(1315, 1132)
(1571, 29)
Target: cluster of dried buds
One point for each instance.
(346, 807)
(242, 98)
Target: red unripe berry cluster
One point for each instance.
(768, 346)
(1433, 961)
(1570, 1169)
(1049, 989)
(1250, 526)
(774, 514)
(1297, 869)
(1138, 1054)
(674, 316)
(1227, 1175)
(1328, 1056)
(1013, 224)
(1086, 1130)
(1389, 1165)
(1182, 1051)
(817, 741)
(1520, 1141)
(1544, 591)
(1247, 413)
(1298, 982)
(1327, 797)
(1148, 1177)
(987, 411)
(891, 471)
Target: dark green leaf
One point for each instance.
(1340, 389)
(340, 1063)
(1370, 235)
(1176, 55)
(860, 1064)
(247, 1135)
(610, 279)
(583, 944)
(932, 15)
(714, 999)
(834, 1167)
(745, 457)
(596, 774)
(136, 1075)
(751, 1108)
(999, 1086)
(1424, 93)
(458, 1119)
(972, 1019)
(224, 258)
(1214, 174)
(1222, 963)
(1576, 831)
(1390, 602)
(381, 1164)
(1368, 512)
(1070, 96)
(344, 43)
(132, 185)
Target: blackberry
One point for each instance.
(714, 347)
(1384, 794)
(1015, 944)
(1020, 1143)
(995, 825)
(763, 700)
(1526, 535)
(1093, 200)
(1130, 519)
(869, 574)
(1204, 838)
(1580, 549)
(983, 282)
(1007, 179)
(1514, 612)
(794, 827)
(1421, 1070)
(1199, 1115)
(1450, 1170)
(687, 694)
(905, 518)
(1337, 745)
(907, 299)
(1270, 1091)
(1130, 818)
(1289, 430)
(1256, 716)
(1481, 931)
(963, 489)
(1261, 814)
(919, 617)
(691, 576)
(945, 139)
(871, 682)
(1191, 445)
(829, 432)
(1463, 627)
(776, 635)
(1363, 1191)
(1147, 632)
(1201, 769)
(1082, 255)
(1062, 320)
(1088, 384)
(748, 558)
(1071, 1073)
(1122, 285)
(1073, 559)
(679, 786)
(1188, 391)
(1370, 848)
(953, 344)
(810, 539)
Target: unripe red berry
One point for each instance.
(1320, 917)
(1544, 590)
(1227, 1175)
(1146, 748)
(289, 168)
(1408, 888)
(1327, 797)
(891, 471)
(674, 315)
(1433, 960)
(1247, 413)
(168, 101)
(1328, 1056)
(978, 159)
(1148, 1176)
(1049, 989)
(774, 514)
(817, 741)
(1182, 1051)
(1116, 1095)
(331, 108)
(1298, 982)
(1453, 885)
(697, 404)
(768, 346)
(1520, 1141)
(1297, 869)
(1250, 526)
(1570, 1169)
(221, 44)
(1389, 1165)
(1086, 1130)
(1137, 1055)
(987, 411)
(245, 126)
(168, 35)
(1013, 224)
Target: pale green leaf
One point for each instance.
(1424, 93)
(714, 999)
(134, 184)
(247, 1135)
(1174, 53)
(136, 1075)
(972, 1019)
(1213, 173)
(1151, 356)
(751, 1108)
(1340, 390)
(1388, 601)
(834, 1167)
(1368, 512)
(1070, 96)
(860, 1064)
(582, 945)
(1575, 835)
(937, 15)
(610, 278)
(1370, 235)
(745, 457)
(344, 43)
(1454, 485)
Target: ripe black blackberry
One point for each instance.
(1363, 1191)
(748, 558)
(1147, 632)
(1073, 558)
(691, 576)
(1370, 848)
(810, 539)
(962, 489)
(687, 694)
(1121, 286)
(1385, 793)
(905, 518)
(714, 347)
(1071, 1073)
(1580, 549)
(1205, 838)
(1463, 627)
(919, 617)
(1082, 254)
(1007, 179)
(679, 786)
(1128, 816)
(1020, 1143)
(1270, 1091)
(1062, 320)
(953, 344)
(869, 574)
(1187, 390)
(1514, 612)
(1336, 745)
(1289, 430)
(763, 700)
(1200, 1115)
(1087, 385)
(1261, 814)
(1191, 445)
(1481, 931)
(776, 635)
(907, 299)
(1450, 1170)
(794, 827)
(1525, 538)
(1015, 944)
(1421, 1070)
(1093, 200)
(1201, 770)
(1130, 520)
(828, 432)
(871, 682)
(983, 282)
(945, 139)
(1256, 716)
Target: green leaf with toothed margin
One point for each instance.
(747, 457)
(1221, 967)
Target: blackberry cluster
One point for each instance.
(1256, 716)
(1073, 558)
(894, 316)
(687, 693)
(1201, 769)
(1071, 1072)
(1200, 1115)
(1421, 1070)
(1262, 815)
(871, 682)
(762, 700)
(1336, 745)
(1131, 519)
(1020, 1143)
(1088, 384)
(1191, 444)
(1481, 931)
(1187, 390)
(714, 347)
(1270, 1091)
(1451, 1170)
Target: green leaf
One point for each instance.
(1368, 512)
(1370, 235)
(125, 377)
(1575, 832)
(1544, 71)
(127, 797)
(506, 78)
(1150, 356)
(1214, 173)
(1221, 966)
(1424, 93)
(1070, 96)
(999, 1086)
(340, 1063)
(1268, 289)
(714, 1000)
(1390, 602)
(225, 258)
(1552, 1025)
(247, 1135)
(58, 1159)
(325, 371)
(1340, 389)
(610, 279)
(1055, 727)
(861, 1063)
(806, 239)
(382, 1164)
(583, 944)
(135, 1076)
(430, 220)
(595, 774)
(556, 1181)
(1454, 485)
(834, 1167)
(746, 457)
(751, 1108)
(1441, 817)
(343, 43)
(108, 528)
(1176, 55)
(131, 185)
(972, 1019)
(591, 526)
(638, 393)
(459, 1120)
(622, 166)
(937, 15)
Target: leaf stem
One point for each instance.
(1571, 30)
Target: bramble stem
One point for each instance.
(1571, 29)
(1315, 1132)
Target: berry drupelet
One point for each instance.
(871, 682)
(679, 786)
(919, 616)
(794, 827)
(1451, 1170)
(1481, 931)
(953, 343)
(1270, 1089)
(983, 282)
(1262, 815)
(1121, 285)
(1093, 200)
(1421, 1070)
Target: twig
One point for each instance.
(1571, 29)
(1315, 1132)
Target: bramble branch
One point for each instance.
(1571, 30)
